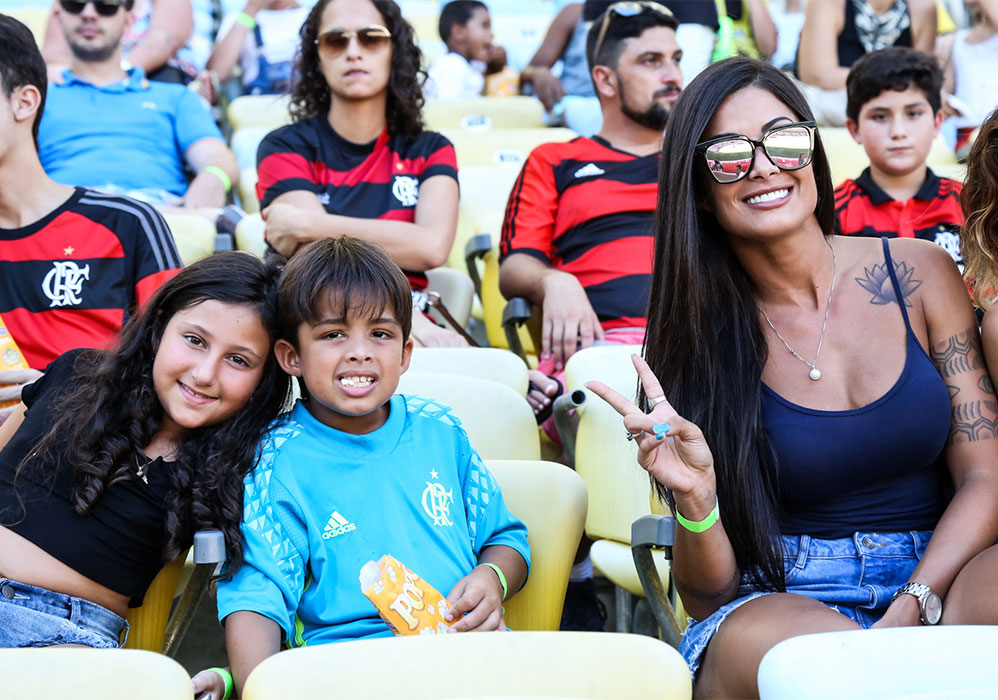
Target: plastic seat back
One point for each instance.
(91, 674)
(501, 147)
(580, 665)
(482, 114)
(147, 623)
(529, 489)
(496, 365)
(194, 236)
(270, 111)
(847, 159)
(498, 420)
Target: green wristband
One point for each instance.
(502, 578)
(226, 678)
(700, 525)
(220, 174)
(245, 20)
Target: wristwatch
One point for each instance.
(930, 605)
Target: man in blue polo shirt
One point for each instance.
(106, 126)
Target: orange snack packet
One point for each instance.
(407, 603)
(10, 355)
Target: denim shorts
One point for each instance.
(856, 576)
(37, 617)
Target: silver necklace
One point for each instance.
(815, 373)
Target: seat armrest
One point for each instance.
(649, 532)
(656, 531)
(209, 547)
(517, 311)
(476, 249)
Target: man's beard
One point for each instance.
(94, 54)
(655, 117)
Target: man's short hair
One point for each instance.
(457, 12)
(895, 68)
(622, 27)
(21, 64)
(355, 275)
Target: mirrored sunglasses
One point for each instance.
(370, 38)
(730, 158)
(103, 7)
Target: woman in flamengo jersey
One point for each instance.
(117, 457)
(816, 407)
(357, 161)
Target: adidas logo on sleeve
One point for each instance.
(337, 525)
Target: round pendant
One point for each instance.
(815, 374)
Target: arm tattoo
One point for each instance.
(958, 354)
(972, 420)
(705, 595)
(878, 283)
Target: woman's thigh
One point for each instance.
(972, 599)
(731, 661)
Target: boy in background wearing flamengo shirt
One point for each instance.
(74, 263)
(894, 112)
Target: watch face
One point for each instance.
(933, 609)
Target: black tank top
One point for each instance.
(865, 31)
(878, 468)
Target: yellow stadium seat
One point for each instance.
(147, 623)
(259, 110)
(193, 234)
(35, 18)
(499, 421)
(847, 159)
(247, 191)
(496, 365)
(249, 235)
(523, 665)
(503, 147)
(484, 194)
(484, 113)
(456, 291)
(425, 27)
(618, 488)
(529, 489)
(91, 674)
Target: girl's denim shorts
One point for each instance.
(37, 617)
(857, 576)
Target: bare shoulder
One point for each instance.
(922, 9)
(832, 11)
(932, 259)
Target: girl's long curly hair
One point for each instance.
(111, 411)
(310, 95)
(979, 240)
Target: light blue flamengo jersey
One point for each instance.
(322, 503)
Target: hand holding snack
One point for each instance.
(407, 603)
(476, 602)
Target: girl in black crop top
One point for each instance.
(117, 457)
(804, 393)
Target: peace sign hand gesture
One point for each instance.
(670, 448)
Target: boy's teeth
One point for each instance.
(356, 381)
(769, 196)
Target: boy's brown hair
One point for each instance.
(357, 275)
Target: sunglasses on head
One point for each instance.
(370, 38)
(103, 7)
(730, 158)
(626, 9)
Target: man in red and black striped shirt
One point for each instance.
(577, 238)
(74, 264)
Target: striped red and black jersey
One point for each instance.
(934, 214)
(72, 279)
(378, 180)
(586, 208)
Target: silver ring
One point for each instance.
(632, 436)
(656, 401)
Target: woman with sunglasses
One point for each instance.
(816, 408)
(357, 161)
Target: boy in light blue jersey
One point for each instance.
(353, 473)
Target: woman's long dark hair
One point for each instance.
(704, 339)
(111, 410)
(311, 96)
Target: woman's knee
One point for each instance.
(971, 599)
(731, 660)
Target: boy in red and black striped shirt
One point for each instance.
(894, 112)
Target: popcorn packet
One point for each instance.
(407, 603)
(10, 356)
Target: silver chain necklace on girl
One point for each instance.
(815, 373)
